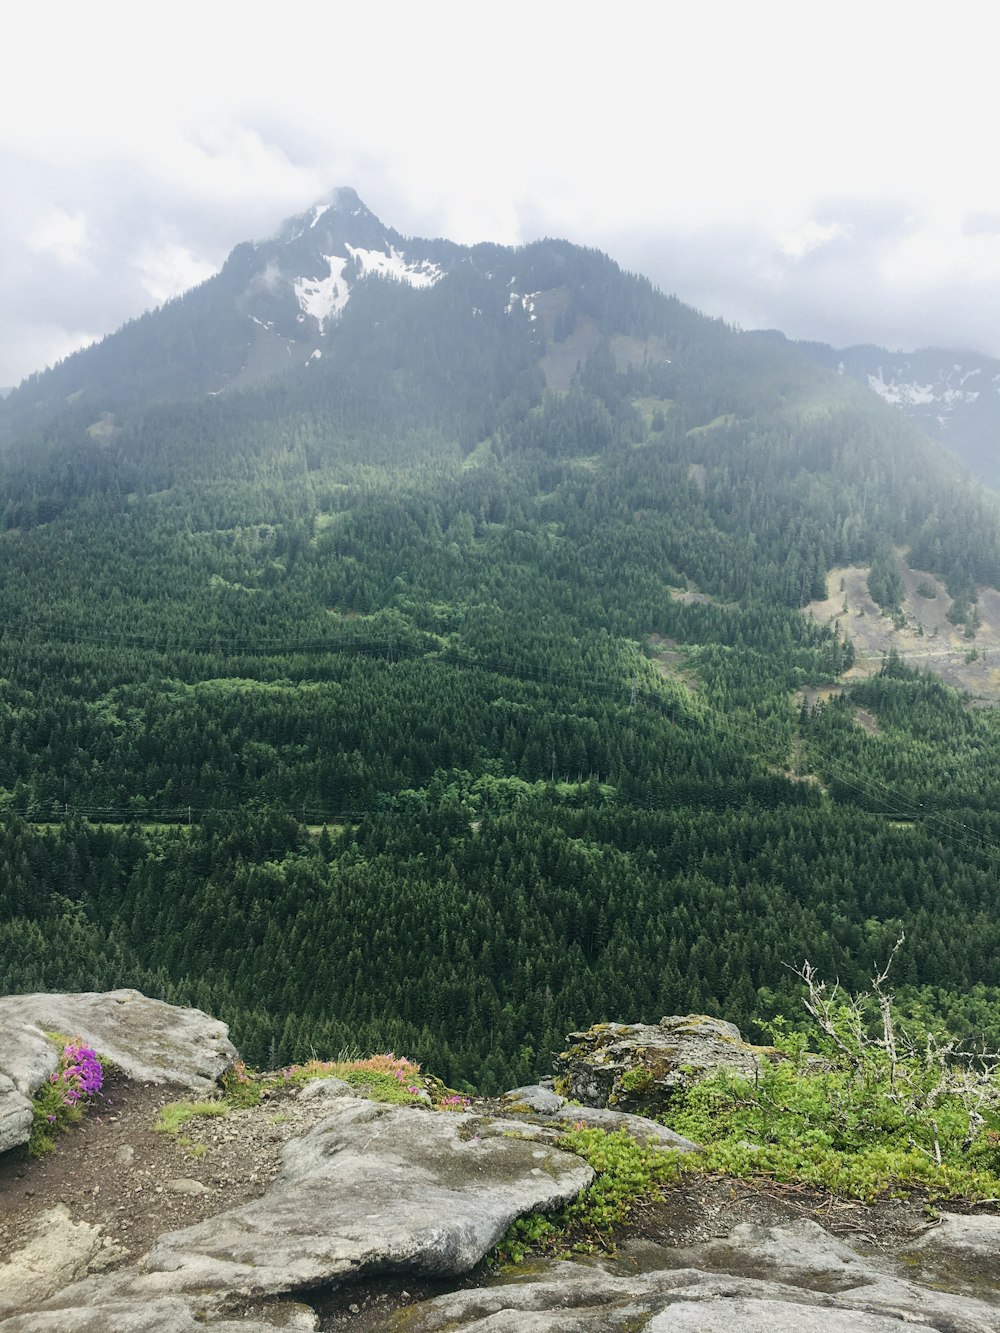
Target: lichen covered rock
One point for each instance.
(642, 1067)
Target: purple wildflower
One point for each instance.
(82, 1074)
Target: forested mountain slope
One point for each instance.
(451, 679)
(953, 395)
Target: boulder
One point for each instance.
(534, 1097)
(643, 1067)
(146, 1039)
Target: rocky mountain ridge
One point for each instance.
(350, 1199)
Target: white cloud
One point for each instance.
(799, 241)
(62, 235)
(168, 270)
(160, 138)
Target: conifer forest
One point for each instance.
(452, 691)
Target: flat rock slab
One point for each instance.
(644, 1130)
(164, 1315)
(792, 1279)
(964, 1235)
(370, 1189)
(59, 1252)
(724, 1315)
(375, 1188)
(148, 1040)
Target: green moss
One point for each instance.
(636, 1081)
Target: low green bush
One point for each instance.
(626, 1172)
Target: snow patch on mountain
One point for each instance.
(526, 302)
(899, 393)
(948, 392)
(324, 298)
(421, 273)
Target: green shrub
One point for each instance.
(626, 1172)
(887, 1107)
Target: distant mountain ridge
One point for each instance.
(337, 285)
(278, 305)
(953, 395)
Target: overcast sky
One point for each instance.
(825, 169)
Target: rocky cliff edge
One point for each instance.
(322, 1209)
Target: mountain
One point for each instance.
(408, 694)
(952, 395)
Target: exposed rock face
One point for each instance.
(60, 1252)
(367, 1189)
(166, 1315)
(372, 1188)
(640, 1067)
(550, 1108)
(147, 1039)
(376, 1187)
(795, 1278)
(613, 1122)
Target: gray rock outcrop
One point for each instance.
(146, 1039)
(794, 1278)
(368, 1190)
(642, 1067)
(59, 1252)
(545, 1105)
(534, 1097)
(376, 1188)
(639, 1127)
(371, 1189)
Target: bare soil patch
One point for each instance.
(115, 1171)
(927, 640)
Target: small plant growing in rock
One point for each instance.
(61, 1101)
(385, 1078)
(453, 1102)
(242, 1088)
(626, 1172)
(175, 1114)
